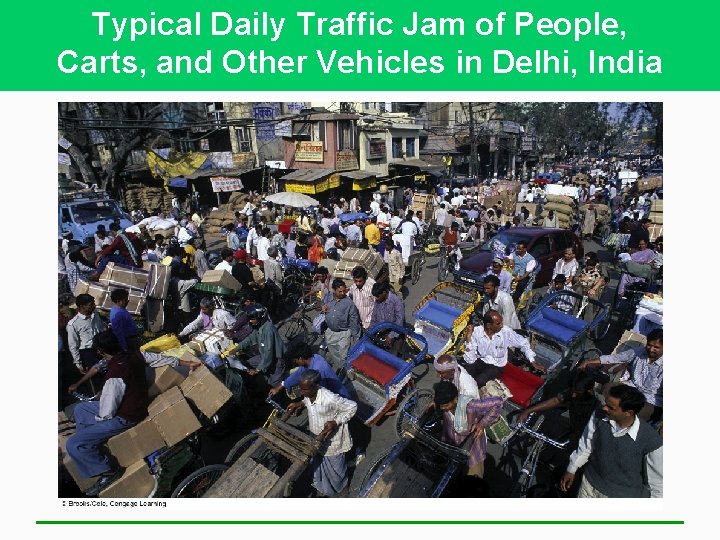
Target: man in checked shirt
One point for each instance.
(328, 417)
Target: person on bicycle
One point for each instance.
(465, 417)
(622, 454)
(300, 354)
(270, 362)
(123, 403)
(578, 399)
(486, 350)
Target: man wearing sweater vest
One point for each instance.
(623, 453)
(123, 403)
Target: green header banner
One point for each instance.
(359, 46)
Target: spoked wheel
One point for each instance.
(411, 408)
(197, 484)
(239, 449)
(443, 266)
(295, 328)
(415, 270)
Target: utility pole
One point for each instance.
(473, 145)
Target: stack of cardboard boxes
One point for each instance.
(656, 217)
(172, 417)
(352, 257)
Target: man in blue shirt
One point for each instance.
(523, 266)
(122, 323)
(301, 355)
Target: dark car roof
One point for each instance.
(534, 232)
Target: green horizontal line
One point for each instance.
(361, 522)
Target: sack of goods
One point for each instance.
(562, 199)
(560, 208)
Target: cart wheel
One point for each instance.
(197, 484)
(415, 270)
(239, 449)
(411, 407)
(373, 468)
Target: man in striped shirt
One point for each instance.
(328, 417)
(361, 295)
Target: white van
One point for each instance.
(81, 212)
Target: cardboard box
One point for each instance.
(119, 275)
(159, 280)
(213, 341)
(656, 206)
(656, 217)
(222, 278)
(655, 231)
(136, 300)
(98, 292)
(136, 482)
(203, 389)
(163, 379)
(173, 416)
(81, 287)
(135, 443)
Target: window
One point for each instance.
(216, 113)
(309, 131)
(346, 135)
(541, 247)
(397, 151)
(562, 242)
(410, 147)
(244, 141)
(66, 216)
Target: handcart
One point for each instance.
(442, 315)
(267, 462)
(376, 377)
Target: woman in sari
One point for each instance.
(639, 267)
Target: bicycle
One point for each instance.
(529, 465)
(299, 325)
(448, 259)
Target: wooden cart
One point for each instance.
(272, 459)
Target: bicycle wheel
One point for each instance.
(443, 266)
(240, 448)
(295, 328)
(197, 484)
(411, 408)
(600, 331)
(415, 270)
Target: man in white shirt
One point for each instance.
(440, 215)
(486, 350)
(226, 254)
(354, 205)
(328, 417)
(263, 243)
(383, 218)
(623, 454)
(409, 227)
(498, 300)
(568, 266)
(374, 208)
(252, 238)
(448, 369)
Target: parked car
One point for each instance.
(546, 245)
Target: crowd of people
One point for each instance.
(620, 451)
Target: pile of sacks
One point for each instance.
(602, 212)
(565, 209)
(140, 197)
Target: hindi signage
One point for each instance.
(225, 183)
(309, 151)
(346, 160)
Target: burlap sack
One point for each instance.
(560, 208)
(562, 199)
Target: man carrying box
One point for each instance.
(123, 403)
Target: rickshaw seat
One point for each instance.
(522, 384)
(556, 325)
(439, 314)
(377, 364)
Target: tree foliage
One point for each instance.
(646, 113)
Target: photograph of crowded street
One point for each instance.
(360, 299)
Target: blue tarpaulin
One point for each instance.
(179, 182)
